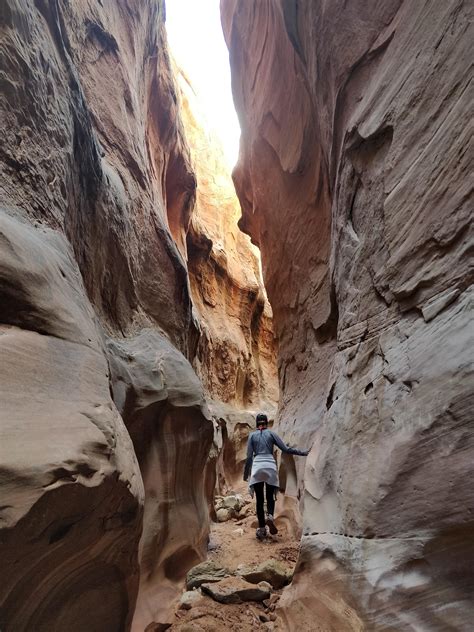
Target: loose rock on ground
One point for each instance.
(236, 590)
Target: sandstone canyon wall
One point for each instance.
(236, 352)
(101, 409)
(353, 180)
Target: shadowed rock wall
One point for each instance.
(93, 146)
(352, 179)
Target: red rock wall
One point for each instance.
(352, 178)
(236, 352)
(97, 84)
(100, 406)
(72, 494)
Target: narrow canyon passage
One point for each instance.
(152, 302)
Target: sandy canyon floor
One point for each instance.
(233, 543)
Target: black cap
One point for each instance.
(261, 419)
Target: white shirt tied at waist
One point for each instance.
(264, 470)
(261, 464)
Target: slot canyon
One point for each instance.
(153, 301)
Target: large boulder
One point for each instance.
(228, 507)
(271, 571)
(223, 515)
(236, 590)
(233, 502)
(207, 571)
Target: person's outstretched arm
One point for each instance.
(284, 448)
(248, 462)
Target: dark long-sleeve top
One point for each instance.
(263, 442)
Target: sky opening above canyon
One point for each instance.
(197, 44)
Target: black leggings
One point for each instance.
(259, 497)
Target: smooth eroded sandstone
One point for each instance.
(353, 179)
(72, 494)
(162, 403)
(98, 188)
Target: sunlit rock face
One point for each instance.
(353, 180)
(236, 353)
(97, 190)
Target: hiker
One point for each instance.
(261, 465)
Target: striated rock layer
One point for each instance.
(353, 181)
(236, 352)
(235, 356)
(72, 495)
(93, 146)
(162, 403)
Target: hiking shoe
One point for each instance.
(271, 524)
(261, 533)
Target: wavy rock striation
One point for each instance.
(72, 494)
(236, 352)
(96, 180)
(162, 403)
(353, 181)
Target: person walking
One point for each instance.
(261, 466)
